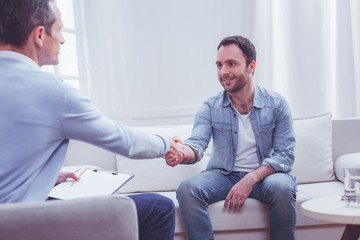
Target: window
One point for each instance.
(68, 68)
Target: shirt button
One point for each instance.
(235, 132)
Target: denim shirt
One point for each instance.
(271, 123)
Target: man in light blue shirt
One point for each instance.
(40, 113)
(253, 148)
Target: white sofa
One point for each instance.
(323, 146)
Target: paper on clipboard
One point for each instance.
(91, 184)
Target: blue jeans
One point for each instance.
(196, 193)
(156, 216)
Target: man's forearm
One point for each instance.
(260, 173)
(190, 156)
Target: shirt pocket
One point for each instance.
(221, 135)
(267, 132)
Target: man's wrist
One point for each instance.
(190, 156)
(252, 177)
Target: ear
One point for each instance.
(252, 66)
(38, 35)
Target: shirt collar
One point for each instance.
(227, 100)
(257, 102)
(19, 57)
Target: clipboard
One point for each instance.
(93, 182)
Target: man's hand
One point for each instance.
(176, 153)
(240, 192)
(65, 175)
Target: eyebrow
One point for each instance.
(231, 60)
(227, 61)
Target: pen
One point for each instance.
(79, 176)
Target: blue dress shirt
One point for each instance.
(271, 122)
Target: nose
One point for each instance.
(62, 39)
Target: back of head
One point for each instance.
(19, 17)
(244, 44)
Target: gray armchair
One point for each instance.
(112, 217)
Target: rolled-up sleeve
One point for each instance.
(201, 133)
(283, 154)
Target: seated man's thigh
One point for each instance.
(275, 186)
(211, 186)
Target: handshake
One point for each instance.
(176, 154)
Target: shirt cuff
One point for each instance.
(166, 144)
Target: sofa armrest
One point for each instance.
(112, 217)
(345, 136)
(346, 160)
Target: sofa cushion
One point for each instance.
(313, 156)
(313, 162)
(254, 214)
(152, 175)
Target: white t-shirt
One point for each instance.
(246, 157)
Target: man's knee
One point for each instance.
(183, 187)
(282, 186)
(161, 202)
(187, 190)
(166, 203)
(153, 200)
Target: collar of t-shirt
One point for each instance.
(19, 57)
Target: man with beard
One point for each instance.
(253, 148)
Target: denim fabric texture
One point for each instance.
(156, 216)
(271, 121)
(196, 193)
(272, 125)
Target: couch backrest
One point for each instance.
(320, 138)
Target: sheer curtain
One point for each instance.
(311, 53)
(153, 62)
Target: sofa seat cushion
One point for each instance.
(255, 214)
(315, 190)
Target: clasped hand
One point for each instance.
(176, 154)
